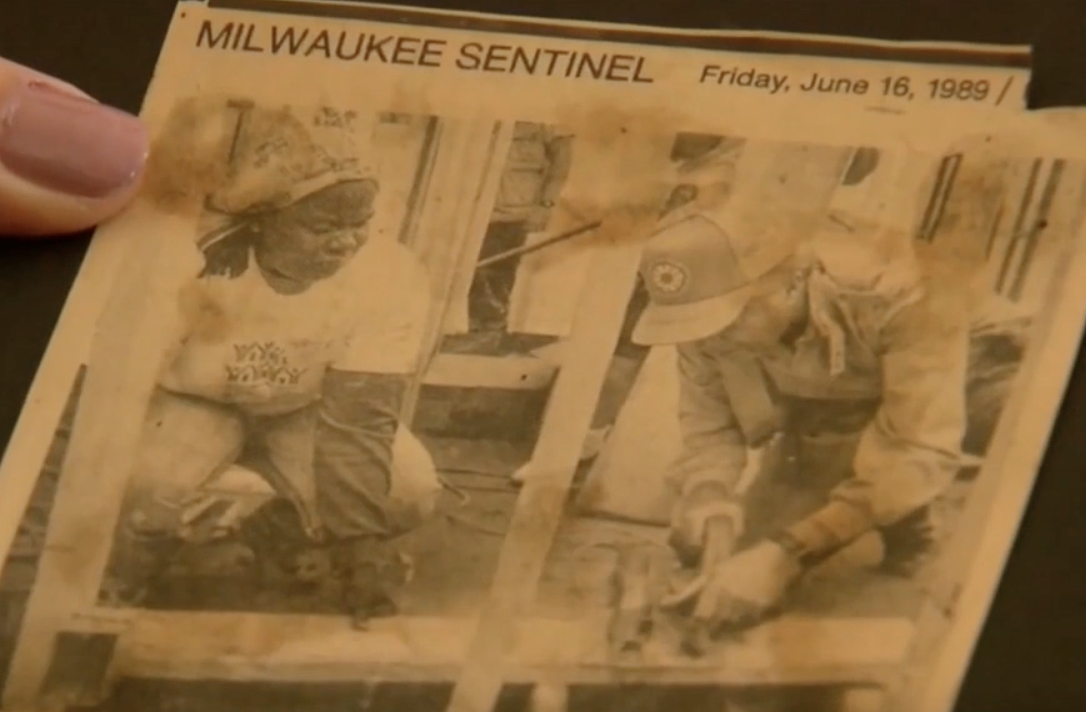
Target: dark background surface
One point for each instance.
(1031, 654)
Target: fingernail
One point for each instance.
(69, 144)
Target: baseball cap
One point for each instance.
(700, 275)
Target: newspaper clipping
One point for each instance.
(455, 362)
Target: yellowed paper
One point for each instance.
(456, 362)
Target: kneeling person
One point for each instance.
(307, 338)
(774, 346)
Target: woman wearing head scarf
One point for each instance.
(299, 339)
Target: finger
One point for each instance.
(66, 162)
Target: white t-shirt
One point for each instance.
(246, 344)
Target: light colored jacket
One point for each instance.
(891, 342)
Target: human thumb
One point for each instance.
(67, 162)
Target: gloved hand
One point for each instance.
(690, 516)
(742, 590)
(737, 592)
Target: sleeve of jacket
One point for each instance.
(713, 447)
(910, 451)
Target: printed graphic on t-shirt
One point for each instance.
(262, 363)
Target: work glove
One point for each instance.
(745, 588)
(736, 593)
(703, 503)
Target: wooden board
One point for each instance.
(453, 218)
(627, 480)
(238, 646)
(521, 373)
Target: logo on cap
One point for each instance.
(669, 277)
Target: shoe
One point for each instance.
(284, 553)
(368, 571)
(138, 564)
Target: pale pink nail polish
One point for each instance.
(68, 143)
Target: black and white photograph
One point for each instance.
(335, 424)
(810, 373)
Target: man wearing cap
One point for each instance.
(783, 352)
(295, 348)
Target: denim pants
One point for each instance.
(188, 441)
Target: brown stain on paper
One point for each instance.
(408, 101)
(188, 156)
(228, 154)
(633, 184)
